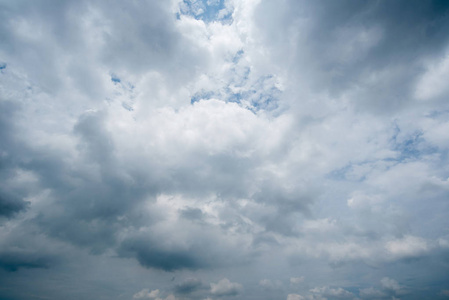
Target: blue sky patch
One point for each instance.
(201, 96)
(206, 10)
(238, 56)
(115, 79)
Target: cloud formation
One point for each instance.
(225, 288)
(154, 149)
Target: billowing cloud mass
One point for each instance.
(224, 149)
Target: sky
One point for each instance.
(224, 149)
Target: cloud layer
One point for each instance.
(224, 149)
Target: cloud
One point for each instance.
(269, 284)
(154, 294)
(11, 198)
(176, 244)
(188, 286)
(146, 293)
(21, 249)
(430, 85)
(14, 259)
(162, 258)
(10, 205)
(372, 293)
(408, 246)
(192, 213)
(225, 288)
(223, 139)
(296, 280)
(389, 289)
(295, 297)
(390, 284)
(338, 293)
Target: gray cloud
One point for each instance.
(278, 139)
(162, 258)
(373, 51)
(188, 286)
(15, 259)
(10, 204)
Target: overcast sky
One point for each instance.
(224, 149)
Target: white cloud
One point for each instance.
(360, 201)
(146, 293)
(225, 288)
(295, 297)
(408, 246)
(326, 291)
(296, 280)
(390, 284)
(432, 83)
(269, 284)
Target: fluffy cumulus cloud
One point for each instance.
(224, 149)
(225, 288)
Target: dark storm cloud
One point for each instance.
(22, 247)
(151, 255)
(11, 198)
(89, 196)
(375, 46)
(187, 248)
(10, 204)
(89, 204)
(94, 200)
(24, 258)
(86, 206)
